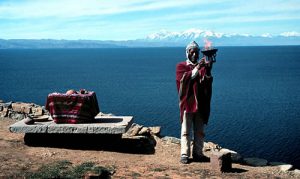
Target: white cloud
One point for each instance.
(77, 8)
(138, 17)
(290, 34)
(266, 35)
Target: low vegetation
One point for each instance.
(65, 169)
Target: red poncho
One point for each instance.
(194, 94)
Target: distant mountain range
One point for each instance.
(222, 39)
(162, 39)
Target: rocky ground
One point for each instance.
(126, 158)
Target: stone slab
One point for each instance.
(37, 127)
(102, 125)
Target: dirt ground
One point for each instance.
(163, 162)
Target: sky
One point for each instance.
(136, 19)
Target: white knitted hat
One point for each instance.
(191, 45)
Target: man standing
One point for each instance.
(194, 85)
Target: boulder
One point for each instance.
(255, 162)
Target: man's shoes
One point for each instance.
(201, 158)
(184, 160)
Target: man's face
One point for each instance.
(193, 55)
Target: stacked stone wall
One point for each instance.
(20, 110)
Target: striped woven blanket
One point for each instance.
(74, 108)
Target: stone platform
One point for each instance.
(102, 125)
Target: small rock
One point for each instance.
(155, 130)
(144, 131)
(104, 114)
(210, 146)
(286, 167)
(255, 162)
(134, 130)
(297, 171)
(90, 175)
(169, 139)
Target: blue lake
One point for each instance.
(255, 103)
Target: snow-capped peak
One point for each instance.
(183, 37)
(187, 34)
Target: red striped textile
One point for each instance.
(74, 108)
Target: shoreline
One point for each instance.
(139, 131)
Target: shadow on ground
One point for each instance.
(237, 170)
(142, 145)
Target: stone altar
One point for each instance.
(102, 125)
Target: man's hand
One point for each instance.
(208, 67)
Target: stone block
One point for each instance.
(220, 161)
(37, 111)
(21, 107)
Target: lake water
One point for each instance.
(255, 102)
